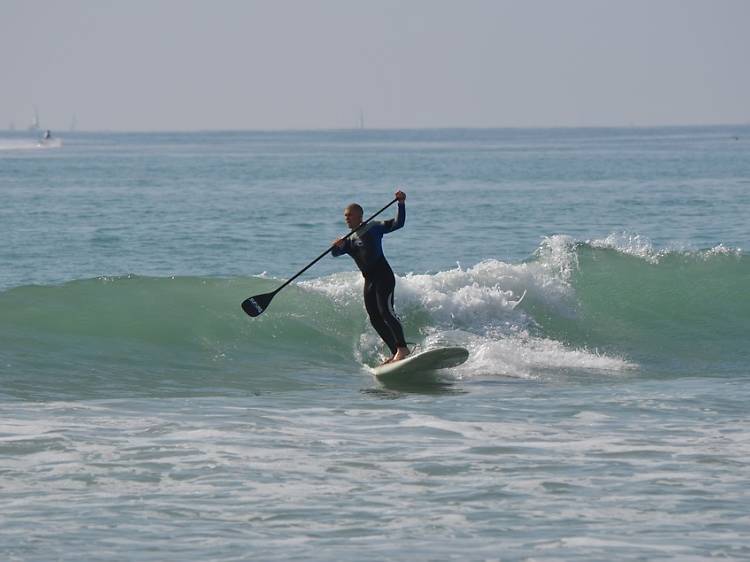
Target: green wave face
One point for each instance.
(101, 337)
(586, 307)
(679, 310)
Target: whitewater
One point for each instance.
(598, 278)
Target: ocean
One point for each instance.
(144, 416)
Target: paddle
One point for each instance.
(255, 305)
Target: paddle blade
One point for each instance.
(254, 306)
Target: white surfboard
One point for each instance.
(424, 361)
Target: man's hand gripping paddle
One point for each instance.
(256, 305)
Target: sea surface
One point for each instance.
(144, 416)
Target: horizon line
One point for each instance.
(391, 129)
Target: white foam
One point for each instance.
(525, 356)
(29, 144)
(477, 307)
(630, 244)
(641, 247)
(721, 250)
(474, 298)
(557, 257)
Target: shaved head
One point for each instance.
(355, 208)
(353, 215)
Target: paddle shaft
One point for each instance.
(321, 256)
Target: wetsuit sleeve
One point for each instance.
(398, 222)
(336, 251)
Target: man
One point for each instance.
(366, 247)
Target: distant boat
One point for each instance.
(48, 142)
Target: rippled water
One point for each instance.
(556, 469)
(143, 416)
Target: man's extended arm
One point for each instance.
(398, 222)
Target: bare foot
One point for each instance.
(401, 353)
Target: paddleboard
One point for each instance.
(429, 360)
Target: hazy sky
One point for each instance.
(283, 64)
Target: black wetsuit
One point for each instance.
(366, 247)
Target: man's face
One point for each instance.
(353, 218)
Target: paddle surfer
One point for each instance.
(366, 247)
